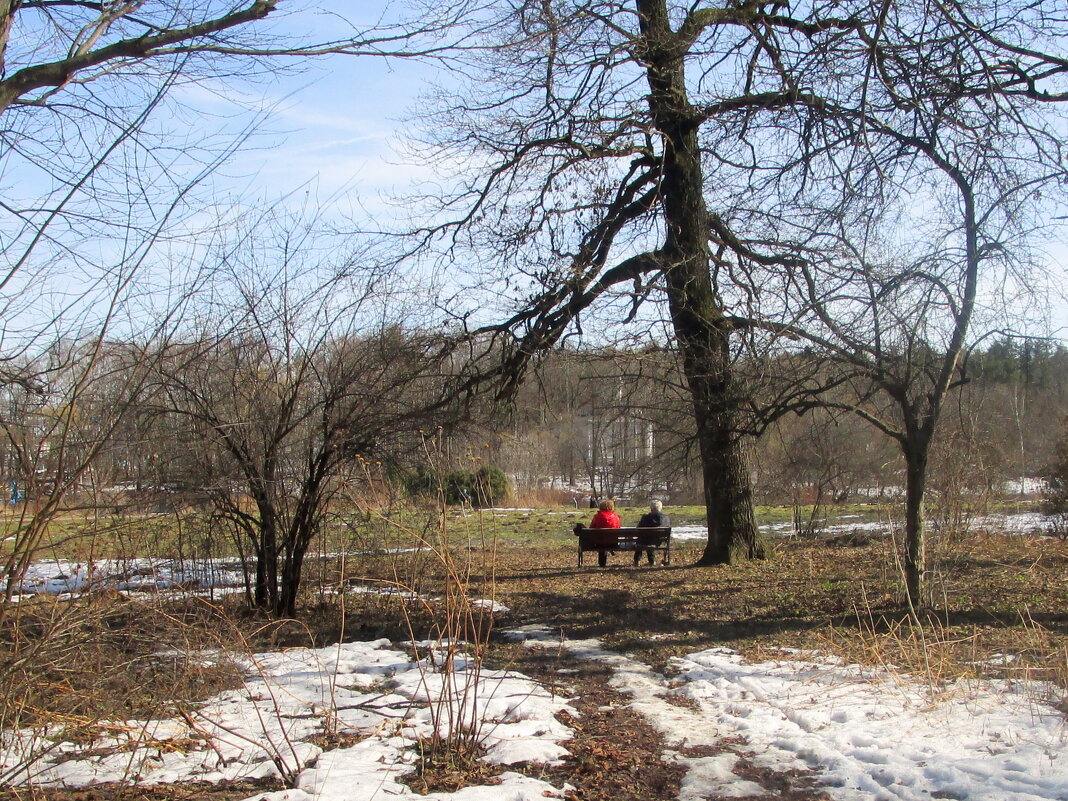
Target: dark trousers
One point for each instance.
(638, 555)
(602, 557)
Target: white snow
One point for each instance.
(1025, 486)
(874, 734)
(869, 734)
(56, 576)
(681, 533)
(144, 574)
(490, 605)
(1021, 523)
(1018, 523)
(396, 591)
(366, 690)
(387, 589)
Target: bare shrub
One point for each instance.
(77, 664)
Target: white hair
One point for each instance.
(656, 506)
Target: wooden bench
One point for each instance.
(623, 539)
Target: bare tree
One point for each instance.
(100, 166)
(95, 147)
(693, 153)
(596, 154)
(100, 157)
(296, 382)
(55, 426)
(893, 292)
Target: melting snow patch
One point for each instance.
(490, 606)
(866, 733)
(713, 775)
(365, 690)
(59, 576)
(874, 734)
(683, 533)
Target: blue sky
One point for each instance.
(329, 135)
(336, 126)
(324, 131)
(335, 129)
(333, 126)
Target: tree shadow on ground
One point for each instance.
(808, 596)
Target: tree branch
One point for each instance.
(58, 73)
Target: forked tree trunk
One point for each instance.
(291, 574)
(293, 568)
(267, 558)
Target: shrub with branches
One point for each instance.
(486, 486)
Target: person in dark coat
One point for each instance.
(654, 518)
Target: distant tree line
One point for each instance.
(616, 422)
(810, 217)
(273, 423)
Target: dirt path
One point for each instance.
(617, 755)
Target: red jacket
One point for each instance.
(605, 520)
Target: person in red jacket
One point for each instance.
(606, 517)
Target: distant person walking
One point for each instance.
(606, 517)
(654, 518)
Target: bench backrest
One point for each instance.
(611, 537)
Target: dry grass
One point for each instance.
(105, 656)
(440, 771)
(998, 595)
(1002, 611)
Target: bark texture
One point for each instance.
(697, 313)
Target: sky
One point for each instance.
(319, 135)
(335, 127)
(329, 135)
(335, 132)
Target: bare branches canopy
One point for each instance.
(747, 166)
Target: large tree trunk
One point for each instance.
(728, 497)
(291, 573)
(267, 558)
(916, 450)
(297, 541)
(697, 314)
